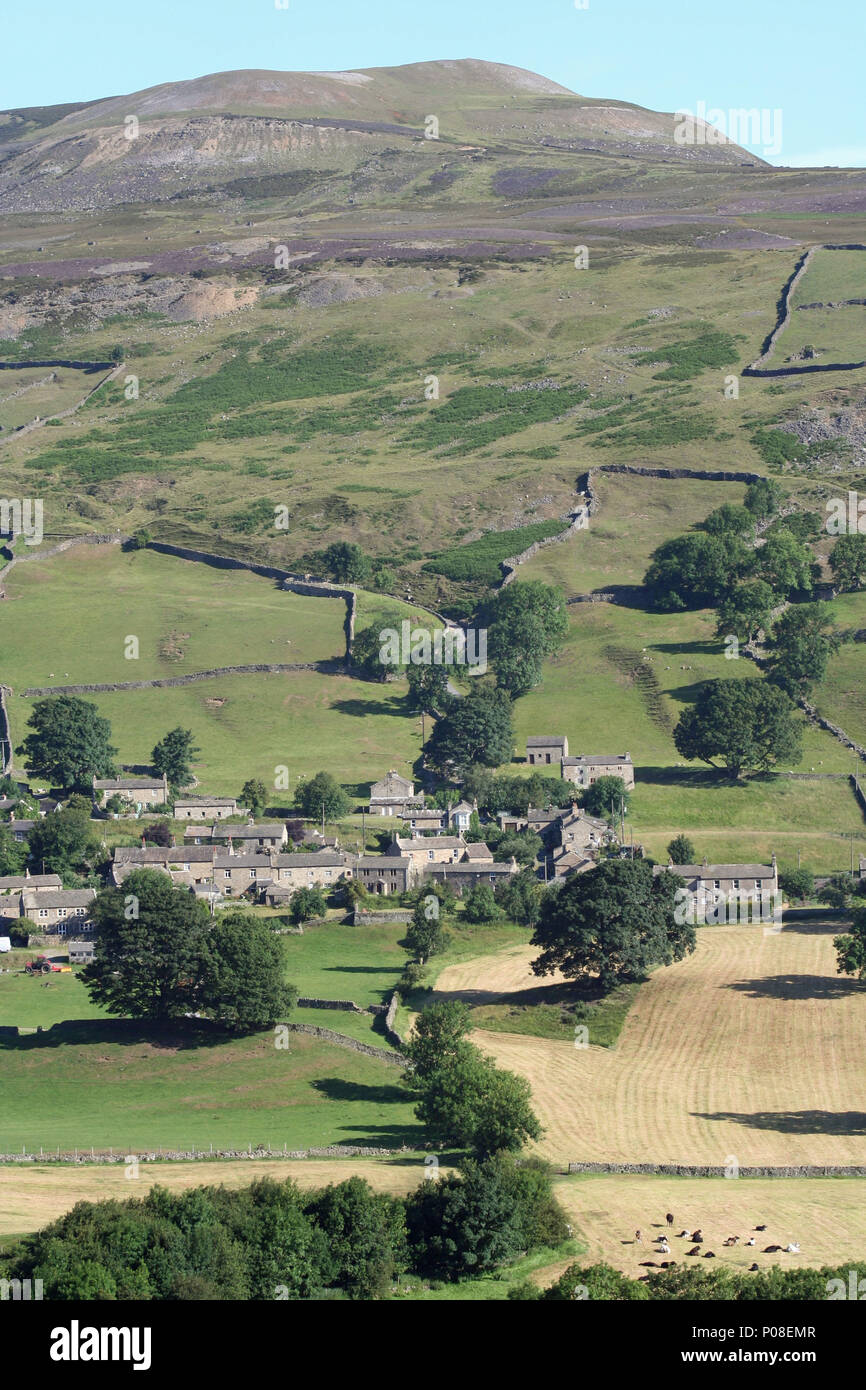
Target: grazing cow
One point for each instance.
(696, 1250)
(668, 1264)
(669, 1219)
(751, 1240)
(697, 1236)
(732, 1240)
(709, 1255)
(664, 1249)
(771, 1249)
(760, 1228)
(792, 1249)
(685, 1235)
(752, 1268)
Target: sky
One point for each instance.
(800, 61)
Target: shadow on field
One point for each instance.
(337, 1088)
(794, 1121)
(178, 1035)
(689, 648)
(362, 708)
(565, 995)
(798, 987)
(706, 777)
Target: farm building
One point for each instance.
(135, 791)
(81, 952)
(206, 808)
(546, 749)
(585, 770)
(394, 796)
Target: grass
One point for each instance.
(41, 1001)
(341, 962)
(124, 1085)
(186, 616)
(478, 562)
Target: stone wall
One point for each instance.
(395, 1058)
(82, 1156)
(390, 1031)
(345, 1004)
(578, 521)
(699, 1170)
(325, 667)
(399, 916)
(5, 745)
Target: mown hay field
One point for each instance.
(750, 1050)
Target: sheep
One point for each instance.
(792, 1249)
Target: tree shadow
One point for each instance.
(850, 1122)
(798, 987)
(176, 1035)
(338, 1088)
(362, 708)
(707, 777)
(706, 648)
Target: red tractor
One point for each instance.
(41, 966)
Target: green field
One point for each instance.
(837, 334)
(187, 616)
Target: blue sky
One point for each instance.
(803, 58)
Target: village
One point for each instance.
(224, 854)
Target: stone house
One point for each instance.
(269, 835)
(740, 887)
(394, 796)
(434, 849)
(546, 750)
(460, 815)
(234, 874)
(14, 883)
(20, 829)
(384, 873)
(422, 822)
(59, 909)
(206, 808)
(320, 869)
(196, 861)
(134, 791)
(585, 770)
(467, 873)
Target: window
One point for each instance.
(429, 854)
(227, 873)
(43, 912)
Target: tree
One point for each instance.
(63, 843)
(798, 884)
(242, 974)
(150, 938)
(848, 562)
(12, 853)
(614, 922)
(746, 724)
(520, 898)
(465, 1224)
(526, 623)
(254, 794)
(836, 892)
(522, 845)
(681, 850)
(157, 834)
(365, 1236)
(786, 564)
(729, 520)
(320, 791)
(69, 744)
(345, 562)
(373, 653)
(480, 905)
(606, 798)
(172, 757)
(462, 1098)
(804, 638)
(306, 904)
(746, 611)
(426, 934)
(695, 571)
(477, 729)
(764, 498)
(428, 689)
(851, 948)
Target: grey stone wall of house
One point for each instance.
(361, 918)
